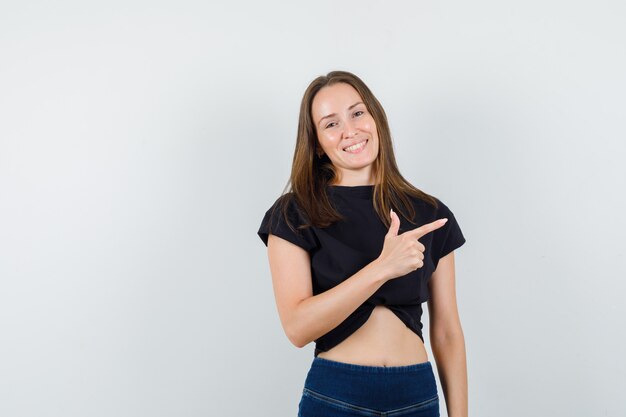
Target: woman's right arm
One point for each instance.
(306, 317)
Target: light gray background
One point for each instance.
(142, 142)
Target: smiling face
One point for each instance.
(346, 132)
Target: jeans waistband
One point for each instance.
(375, 387)
(403, 369)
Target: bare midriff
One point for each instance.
(383, 340)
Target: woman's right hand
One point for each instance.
(404, 253)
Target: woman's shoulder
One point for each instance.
(424, 201)
(287, 202)
(284, 219)
(286, 207)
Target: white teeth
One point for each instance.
(355, 147)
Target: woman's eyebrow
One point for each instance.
(335, 114)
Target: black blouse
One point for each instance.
(339, 251)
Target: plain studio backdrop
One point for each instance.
(142, 142)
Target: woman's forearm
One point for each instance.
(317, 315)
(451, 363)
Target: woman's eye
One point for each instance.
(358, 111)
(329, 124)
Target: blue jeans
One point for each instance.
(339, 389)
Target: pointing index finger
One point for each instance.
(427, 228)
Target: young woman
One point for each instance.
(354, 250)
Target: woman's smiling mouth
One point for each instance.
(356, 148)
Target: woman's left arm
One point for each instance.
(446, 337)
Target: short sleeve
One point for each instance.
(448, 237)
(274, 222)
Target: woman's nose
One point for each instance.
(350, 129)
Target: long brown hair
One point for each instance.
(312, 173)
